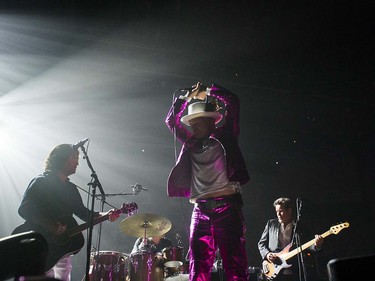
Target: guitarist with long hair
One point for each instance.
(48, 206)
(276, 238)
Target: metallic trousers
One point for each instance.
(220, 228)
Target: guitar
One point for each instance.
(270, 270)
(72, 240)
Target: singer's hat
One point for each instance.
(201, 109)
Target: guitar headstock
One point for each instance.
(337, 228)
(128, 208)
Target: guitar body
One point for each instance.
(72, 240)
(271, 269)
(58, 245)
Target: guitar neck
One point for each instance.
(298, 250)
(75, 230)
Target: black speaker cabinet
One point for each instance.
(351, 268)
(22, 254)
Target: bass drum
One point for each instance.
(109, 266)
(145, 266)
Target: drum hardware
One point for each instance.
(178, 238)
(149, 263)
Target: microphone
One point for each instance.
(138, 187)
(186, 89)
(202, 88)
(80, 143)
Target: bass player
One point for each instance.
(276, 236)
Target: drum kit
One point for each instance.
(142, 265)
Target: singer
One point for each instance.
(48, 206)
(210, 171)
(277, 234)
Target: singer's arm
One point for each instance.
(173, 119)
(232, 108)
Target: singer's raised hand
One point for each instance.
(198, 92)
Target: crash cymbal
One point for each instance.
(141, 225)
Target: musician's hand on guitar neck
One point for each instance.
(112, 215)
(318, 241)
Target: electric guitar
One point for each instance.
(72, 240)
(270, 270)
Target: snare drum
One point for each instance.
(145, 266)
(173, 256)
(109, 266)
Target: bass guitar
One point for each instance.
(72, 240)
(270, 270)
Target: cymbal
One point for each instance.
(148, 225)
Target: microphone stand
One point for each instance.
(135, 192)
(94, 183)
(296, 239)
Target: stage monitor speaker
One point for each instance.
(22, 254)
(350, 268)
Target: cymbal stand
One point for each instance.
(145, 245)
(145, 240)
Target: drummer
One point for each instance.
(154, 244)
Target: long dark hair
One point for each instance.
(58, 157)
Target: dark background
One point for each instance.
(107, 70)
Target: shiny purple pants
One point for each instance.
(224, 228)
